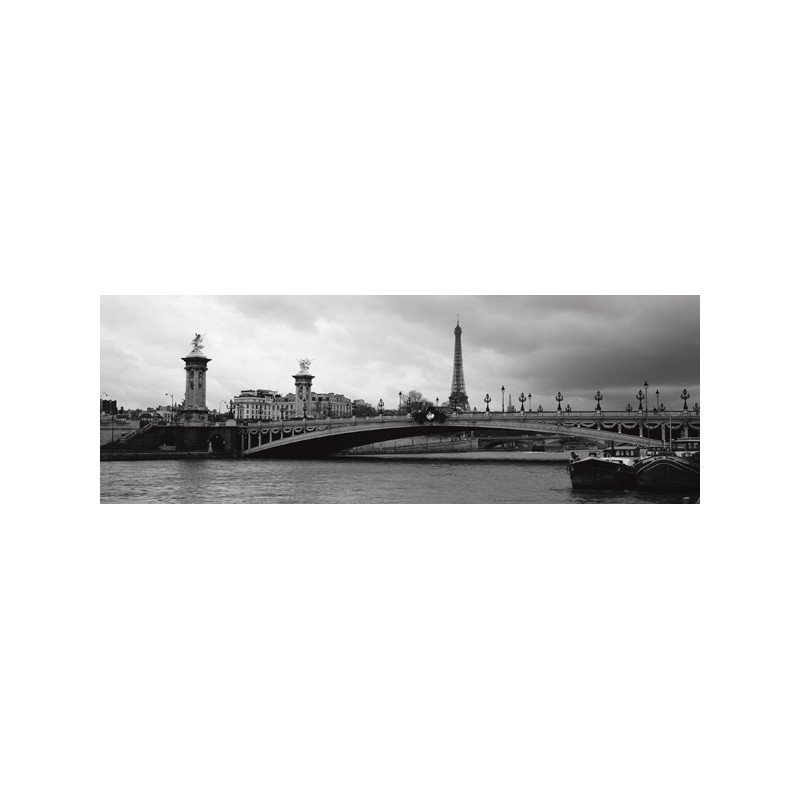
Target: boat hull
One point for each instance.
(667, 473)
(596, 473)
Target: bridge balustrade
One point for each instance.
(532, 417)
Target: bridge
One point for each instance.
(313, 438)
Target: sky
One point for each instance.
(372, 347)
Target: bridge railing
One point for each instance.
(531, 416)
(136, 432)
(583, 415)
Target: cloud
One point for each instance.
(372, 347)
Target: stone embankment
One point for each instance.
(492, 455)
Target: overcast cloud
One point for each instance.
(372, 347)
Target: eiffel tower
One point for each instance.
(458, 392)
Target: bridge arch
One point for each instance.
(323, 441)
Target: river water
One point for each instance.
(351, 480)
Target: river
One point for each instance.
(351, 480)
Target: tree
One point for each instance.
(413, 402)
(420, 407)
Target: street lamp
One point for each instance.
(645, 398)
(530, 405)
(569, 408)
(487, 400)
(380, 407)
(400, 403)
(559, 398)
(522, 402)
(685, 396)
(696, 408)
(657, 396)
(503, 402)
(629, 408)
(598, 397)
(640, 396)
(437, 402)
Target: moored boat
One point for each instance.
(668, 471)
(613, 470)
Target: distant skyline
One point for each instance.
(372, 347)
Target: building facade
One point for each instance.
(269, 405)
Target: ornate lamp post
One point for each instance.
(530, 405)
(640, 396)
(487, 400)
(685, 396)
(437, 402)
(569, 408)
(540, 409)
(400, 403)
(559, 398)
(629, 408)
(696, 408)
(657, 396)
(522, 402)
(598, 397)
(503, 401)
(645, 398)
(380, 407)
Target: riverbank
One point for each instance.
(497, 455)
(164, 455)
(492, 456)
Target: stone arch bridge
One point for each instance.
(318, 438)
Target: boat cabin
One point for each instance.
(624, 451)
(687, 447)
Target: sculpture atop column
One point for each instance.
(196, 346)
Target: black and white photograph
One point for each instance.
(397, 322)
(537, 399)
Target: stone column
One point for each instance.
(302, 385)
(195, 411)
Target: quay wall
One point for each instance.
(176, 441)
